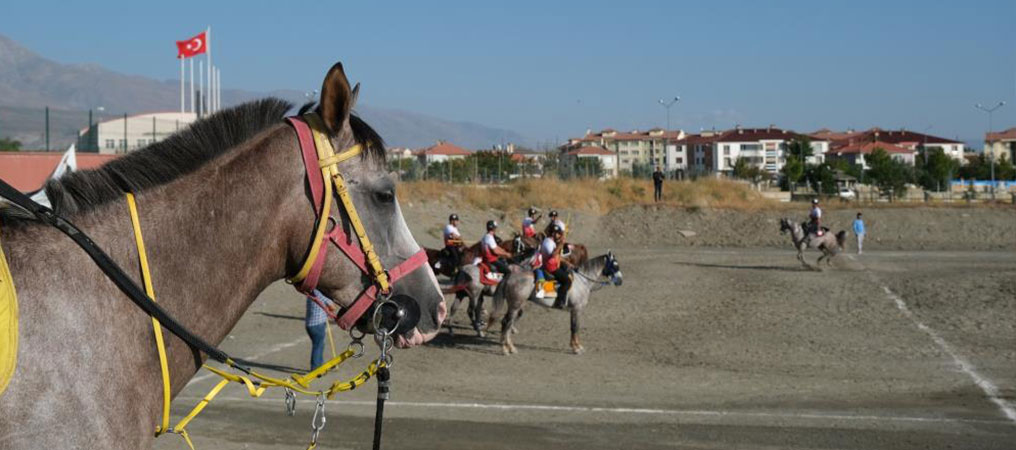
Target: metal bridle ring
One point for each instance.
(376, 319)
(358, 346)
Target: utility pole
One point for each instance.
(125, 143)
(991, 157)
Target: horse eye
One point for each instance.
(386, 196)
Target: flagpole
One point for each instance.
(201, 89)
(183, 102)
(208, 37)
(218, 88)
(193, 105)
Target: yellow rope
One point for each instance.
(160, 344)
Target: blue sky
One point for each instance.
(553, 69)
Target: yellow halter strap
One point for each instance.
(328, 162)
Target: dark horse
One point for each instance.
(226, 211)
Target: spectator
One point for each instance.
(316, 321)
(657, 185)
(859, 232)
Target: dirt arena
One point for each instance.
(702, 347)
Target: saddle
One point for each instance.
(489, 277)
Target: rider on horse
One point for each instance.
(550, 262)
(529, 222)
(452, 241)
(815, 218)
(493, 255)
(553, 221)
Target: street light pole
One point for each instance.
(991, 157)
(667, 106)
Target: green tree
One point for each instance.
(800, 148)
(641, 170)
(9, 145)
(1004, 169)
(935, 168)
(821, 176)
(888, 173)
(588, 168)
(792, 171)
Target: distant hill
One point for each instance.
(30, 82)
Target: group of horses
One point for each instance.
(511, 293)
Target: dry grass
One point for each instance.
(586, 195)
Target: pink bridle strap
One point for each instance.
(339, 237)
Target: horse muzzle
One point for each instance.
(397, 315)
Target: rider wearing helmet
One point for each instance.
(492, 253)
(452, 240)
(529, 222)
(553, 221)
(815, 218)
(550, 253)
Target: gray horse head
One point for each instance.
(373, 193)
(612, 269)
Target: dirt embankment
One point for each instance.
(887, 228)
(908, 228)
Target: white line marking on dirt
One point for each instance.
(986, 385)
(637, 411)
(276, 348)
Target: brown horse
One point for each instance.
(226, 211)
(573, 254)
(443, 266)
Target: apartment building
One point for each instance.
(635, 147)
(765, 148)
(1001, 145)
(900, 138)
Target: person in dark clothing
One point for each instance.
(657, 185)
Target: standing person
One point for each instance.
(529, 223)
(494, 255)
(316, 322)
(859, 232)
(657, 185)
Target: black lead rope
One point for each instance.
(125, 283)
(383, 377)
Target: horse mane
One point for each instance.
(179, 154)
(592, 263)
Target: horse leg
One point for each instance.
(507, 347)
(478, 314)
(575, 345)
(455, 307)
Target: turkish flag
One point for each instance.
(192, 47)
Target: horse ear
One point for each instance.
(336, 99)
(354, 96)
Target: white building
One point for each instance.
(608, 159)
(127, 133)
(765, 148)
(1001, 145)
(675, 157)
(442, 151)
(857, 153)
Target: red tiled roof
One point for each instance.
(444, 148)
(868, 147)
(1009, 134)
(590, 150)
(27, 171)
(757, 134)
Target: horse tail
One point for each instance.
(499, 296)
(841, 238)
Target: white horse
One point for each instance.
(829, 244)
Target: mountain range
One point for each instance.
(30, 82)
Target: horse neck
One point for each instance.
(796, 232)
(214, 240)
(591, 269)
